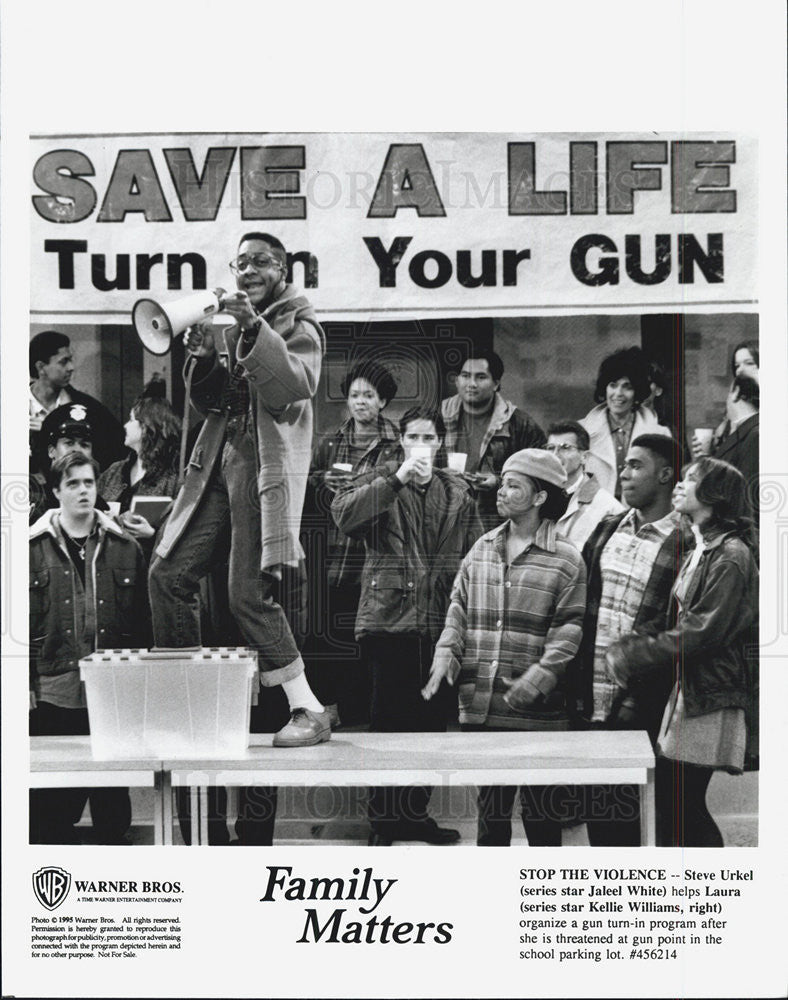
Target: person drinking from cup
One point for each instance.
(417, 521)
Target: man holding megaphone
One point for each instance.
(249, 466)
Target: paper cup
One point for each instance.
(457, 460)
(421, 451)
(704, 436)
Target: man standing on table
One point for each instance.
(249, 467)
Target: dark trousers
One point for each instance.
(54, 812)
(334, 666)
(256, 805)
(683, 819)
(541, 813)
(399, 666)
(255, 822)
(613, 814)
(265, 611)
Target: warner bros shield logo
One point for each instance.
(51, 886)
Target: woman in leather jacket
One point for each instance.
(709, 633)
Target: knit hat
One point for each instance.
(538, 464)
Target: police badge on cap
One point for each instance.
(70, 420)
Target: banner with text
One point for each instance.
(400, 225)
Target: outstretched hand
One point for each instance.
(238, 305)
(439, 671)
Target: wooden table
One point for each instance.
(66, 762)
(500, 758)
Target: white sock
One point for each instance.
(300, 694)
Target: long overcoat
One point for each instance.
(282, 368)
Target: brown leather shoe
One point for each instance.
(305, 729)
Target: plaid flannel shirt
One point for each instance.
(515, 428)
(506, 618)
(651, 614)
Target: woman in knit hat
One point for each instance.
(513, 626)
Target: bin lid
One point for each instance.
(241, 655)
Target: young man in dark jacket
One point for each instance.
(87, 591)
(417, 523)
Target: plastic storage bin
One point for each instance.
(169, 703)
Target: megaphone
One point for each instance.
(156, 324)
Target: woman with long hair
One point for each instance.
(622, 389)
(151, 468)
(709, 634)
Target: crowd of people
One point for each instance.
(457, 566)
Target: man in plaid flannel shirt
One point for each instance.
(632, 560)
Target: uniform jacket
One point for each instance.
(704, 643)
(602, 460)
(404, 587)
(282, 368)
(69, 620)
(345, 555)
(506, 619)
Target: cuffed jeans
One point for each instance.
(231, 495)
